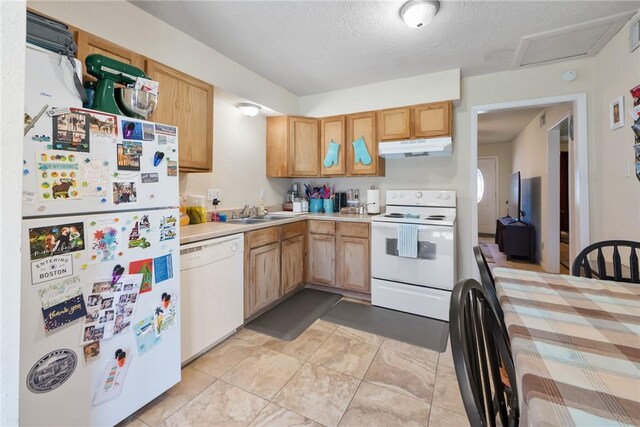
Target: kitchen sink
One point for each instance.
(258, 220)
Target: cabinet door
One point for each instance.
(363, 125)
(292, 264)
(89, 44)
(187, 103)
(333, 129)
(322, 253)
(394, 124)
(432, 119)
(352, 264)
(303, 147)
(263, 277)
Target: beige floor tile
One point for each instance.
(274, 415)
(377, 406)
(403, 373)
(131, 421)
(318, 393)
(221, 404)
(323, 326)
(411, 350)
(302, 347)
(358, 335)
(441, 417)
(345, 355)
(220, 359)
(263, 373)
(252, 337)
(193, 382)
(446, 393)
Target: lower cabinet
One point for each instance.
(264, 277)
(292, 264)
(339, 255)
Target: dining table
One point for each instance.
(575, 344)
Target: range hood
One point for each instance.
(415, 147)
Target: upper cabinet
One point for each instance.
(332, 146)
(89, 44)
(394, 123)
(362, 145)
(187, 103)
(432, 120)
(292, 147)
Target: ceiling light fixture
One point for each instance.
(248, 108)
(419, 13)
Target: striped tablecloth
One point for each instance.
(576, 347)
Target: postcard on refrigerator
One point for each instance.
(112, 379)
(102, 126)
(128, 154)
(94, 176)
(165, 316)
(132, 130)
(62, 303)
(163, 267)
(91, 351)
(71, 132)
(166, 134)
(56, 239)
(103, 240)
(110, 307)
(51, 268)
(144, 267)
(125, 191)
(144, 333)
(57, 176)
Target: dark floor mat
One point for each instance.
(292, 316)
(409, 328)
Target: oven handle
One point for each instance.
(426, 249)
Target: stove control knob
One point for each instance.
(418, 194)
(447, 196)
(393, 195)
(438, 195)
(401, 195)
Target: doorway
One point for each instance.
(577, 173)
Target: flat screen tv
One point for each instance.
(515, 199)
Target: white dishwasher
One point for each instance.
(212, 292)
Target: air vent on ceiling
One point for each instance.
(574, 41)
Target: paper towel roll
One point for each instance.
(373, 196)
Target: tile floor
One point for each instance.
(330, 375)
(500, 259)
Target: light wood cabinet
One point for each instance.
(264, 277)
(333, 129)
(363, 125)
(292, 147)
(432, 120)
(89, 44)
(394, 124)
(322, 254)
(293, 251)
(187, 103)
(352, 257)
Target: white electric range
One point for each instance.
(420, 285)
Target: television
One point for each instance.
(515, 197)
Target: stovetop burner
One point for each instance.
(435, 218)
(394, 215)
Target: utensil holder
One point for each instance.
(315, 205)
(328, 205)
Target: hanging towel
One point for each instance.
(408, 240)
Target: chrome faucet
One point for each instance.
(248, 211)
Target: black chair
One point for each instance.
(489, 283)
(479, 346)
(582, 265)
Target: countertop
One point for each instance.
(210, 230)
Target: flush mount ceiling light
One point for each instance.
(418, 13)
(249, 109)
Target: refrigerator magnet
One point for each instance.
(166, 134)
(164, 317)
(148, 133)
(172, 168)
(52, 370)
(135, 241)
(129, 153)
(91, 351)
(102, 126)
(71, 132)
(157, 158)
(57, 176)
(113, 377)
(132, 130)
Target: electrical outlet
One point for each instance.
(213, 194)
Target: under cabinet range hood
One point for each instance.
(415, 147)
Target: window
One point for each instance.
(480, 186)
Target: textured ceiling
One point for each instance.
(311, 47)
(504, 126)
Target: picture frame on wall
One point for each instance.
(616, 113)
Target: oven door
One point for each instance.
(434, 267)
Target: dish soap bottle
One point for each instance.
(261, 209)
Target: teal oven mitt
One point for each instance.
(332, 155)
(362, 155)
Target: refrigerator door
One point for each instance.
(98, 172)
(66, 254)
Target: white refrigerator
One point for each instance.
(99, 322)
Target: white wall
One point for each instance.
(618, 207)
(128, 26)
(504, 152)
(12, 54)
(239, 166)
(432, 87)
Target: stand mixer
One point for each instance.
(120, 101)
